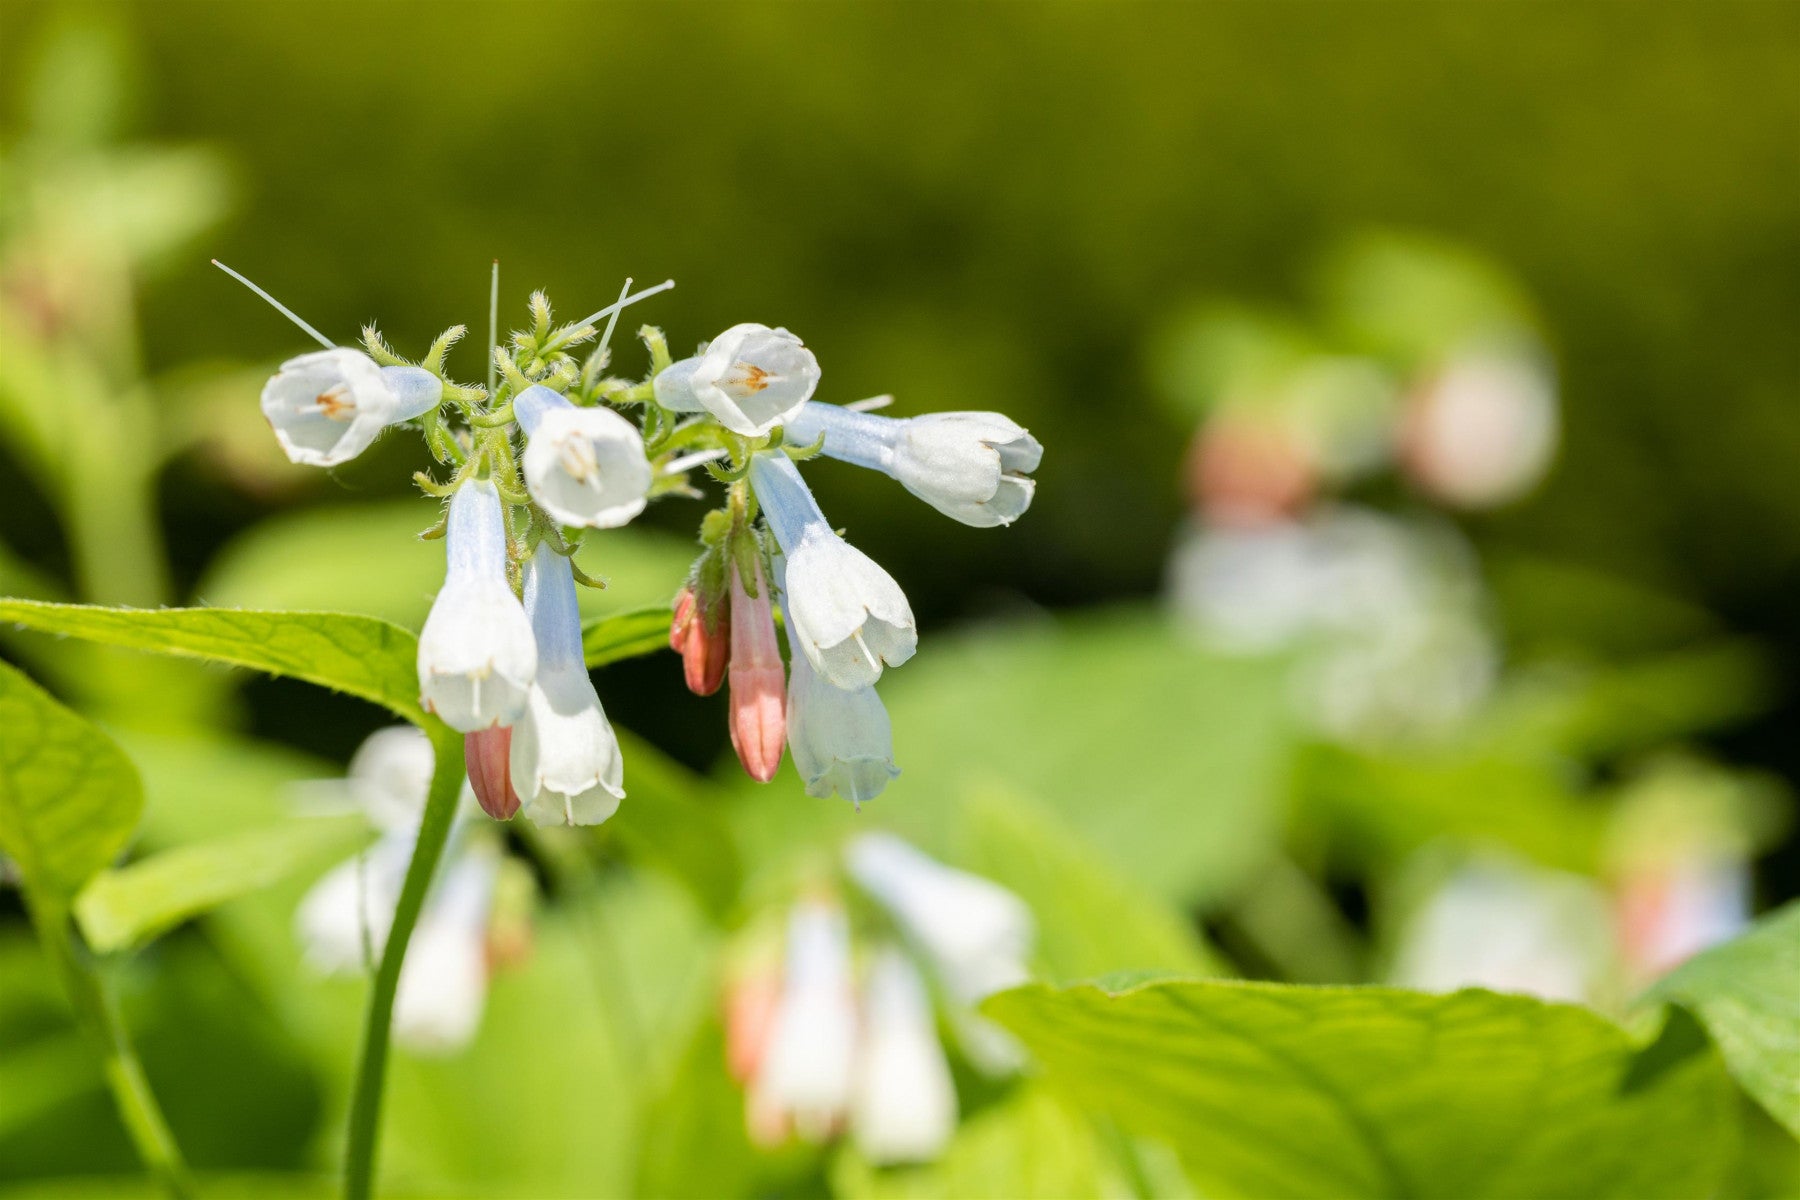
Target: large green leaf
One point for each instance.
(1091, 919)
(611, 639)
(359, 655)
(1747, 995)
(69, 798)
(1113, 723)
(1270, 1090)
(123, 908)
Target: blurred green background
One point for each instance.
(970, 206)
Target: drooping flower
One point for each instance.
(565, 761)
(974, 467)
(704, 648)
(808, 1069)
(1483, 431)
(477, 655)
(328, 406)
(758, 688)
(904, 1106)
(976, 933)
(444, 979)
(344, 920)
(584, 466)
(751, 379)
(1510, 927)
(846, 614)
(487, 754)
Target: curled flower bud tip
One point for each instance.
(758, 685)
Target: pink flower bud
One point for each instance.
(758, 685)
(487, 752)
(703, 650)
(1246, 473)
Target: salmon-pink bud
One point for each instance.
(703, 651)
(487, 753)
(1248, 474)
(758, 686)
(750, 1007)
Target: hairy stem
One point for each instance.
(371, 1068)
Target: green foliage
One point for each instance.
(628, 635)
(69, 798)
(1269, 1090)
(119, 909)
(362, 656)
(1747, 995)
(1092, 919)
(671, 818)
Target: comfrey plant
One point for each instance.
(553, 446)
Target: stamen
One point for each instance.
(576, 456)
(747, 379)
(335, 403)
(676, 466)
(874, 664)
(606, 334)
(281, 308)
(627, 302)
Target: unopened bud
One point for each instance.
(703, 651)
(486, 752)
(758, 685)
(1247, 473)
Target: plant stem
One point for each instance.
(371, 1068)
(98, 1013)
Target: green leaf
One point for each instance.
(128, 907)
(628, 635)
(362, 656)
(1746, 993)
(671, 819)
(1030, 1145)
(1113, 723)
(69, 798)
(1091, 920)
(1272, 1091)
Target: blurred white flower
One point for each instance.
(974, 467)
(1509, 927)
(1671, 913)
(1483, 431)
(584, 466)
(477, 655)
(847, 615)
(565, 761)
(808, 1068)
(751, 379)
(977, 934)
(344, 920)
(328, 406)
(904, 1109)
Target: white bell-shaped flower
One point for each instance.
(444, 980)
(584, 466)
(1484, 430)
(477, 655)
(751, 379)
(846, 614)
(904, 1107)
(809, 1067)
(974, 467)
(976, 933)
(841, 739)
(565, 760)
(328, 406)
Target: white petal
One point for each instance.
(809, 1068)
(970, 466)
(905, 1104)
(328, 406)
(851, 617)
(565, 762)
(841, 740)
(586, 466)
(752, 378)
(477, 655)
(443, 982)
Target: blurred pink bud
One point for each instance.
(758, 686)
(750, 1006)
(486, 752)
(1248, 473)
(703, 650)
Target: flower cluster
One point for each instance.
(817, 1054)
(553, 446)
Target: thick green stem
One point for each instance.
(98, 1014)
(371, 1069)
